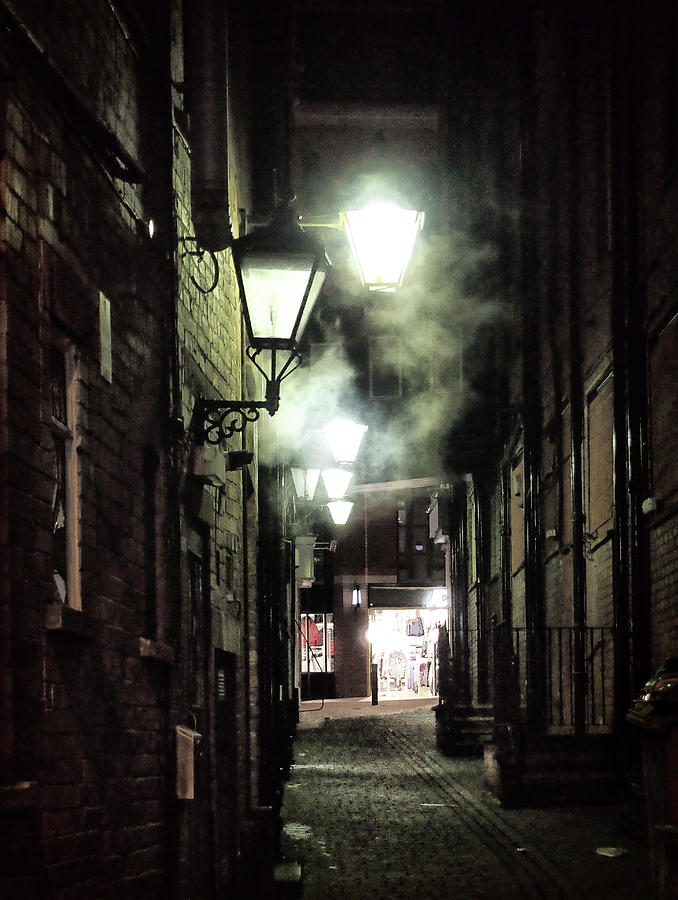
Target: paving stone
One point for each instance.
(372, 809)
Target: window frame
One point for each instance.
(394, 345)
(68, 433)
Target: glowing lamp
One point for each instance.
(336, 482)
(344, 438)
(340, 510)
(305, 482)
(382, 238)
(280, 270)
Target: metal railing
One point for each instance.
(560, 648)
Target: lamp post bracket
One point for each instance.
(217, 420)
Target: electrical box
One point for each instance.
(187, 741)
(439, 517)
(304, 558)
(208, 465)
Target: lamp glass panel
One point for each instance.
(317, 281)
(382, 238)
(344, 438)
(336, 481)
(275, 288)
(340, 510)
(305, 482)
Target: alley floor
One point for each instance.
(373, 810)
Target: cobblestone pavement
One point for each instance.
(372, 810)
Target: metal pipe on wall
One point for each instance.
(207, 83)
(576, 391)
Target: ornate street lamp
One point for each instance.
(305, 482)
(336, 482)
(280, 270)
(344, 438)
(340, 510)
(382, 238)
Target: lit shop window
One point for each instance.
(317, 643)
(65, 495)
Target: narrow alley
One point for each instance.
(372, 809)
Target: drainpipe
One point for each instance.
(576, 391)
(207, 80)
(630, 566)
(460, 639)
(482, 570)
(534, 610)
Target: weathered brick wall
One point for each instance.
(664, 555)
(89, 707)
(658, 191)
(210, 350)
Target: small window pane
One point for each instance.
(58, 385)
(59, 564)
(385, 370)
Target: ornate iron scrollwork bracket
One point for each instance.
(199, 254)
(217, 420)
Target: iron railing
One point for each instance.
(560, 652)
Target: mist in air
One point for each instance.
(428, 328)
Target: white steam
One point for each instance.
(431, 324)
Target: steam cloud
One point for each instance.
(431, 323)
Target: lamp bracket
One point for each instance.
(217, 420)
(199, 253)
(274, 377)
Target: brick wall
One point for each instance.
(89, 703)
(88, 716)
(664, 555)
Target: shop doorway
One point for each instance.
(317, 656)
(403, 644)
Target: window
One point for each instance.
(664, 411)
(600, 459)
(196, 584)
(472, 549)
(65, 495)
(602, 164)
(317, 643)
(565, 509)
(517, 515)
(385, 368)
(151, 468)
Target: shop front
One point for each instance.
(317, 655)
(316, 631)
(403, 637)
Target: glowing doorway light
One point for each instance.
(382, 238)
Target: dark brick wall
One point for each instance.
(90, 696)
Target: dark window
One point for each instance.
(385, 370)
(65, 544)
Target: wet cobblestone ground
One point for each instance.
(372, 810)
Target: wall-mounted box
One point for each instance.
(187, 741)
